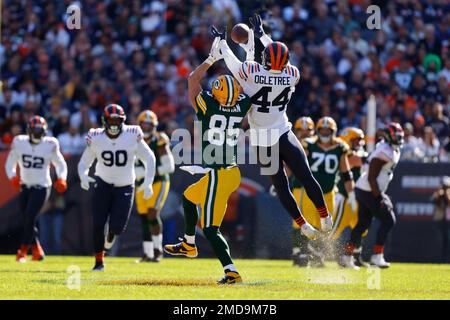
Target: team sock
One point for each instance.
(349, 248)
(300, 221)
(219, 245)
(99, 256)
(229, 267)
(378, 249)
(323, 212)
(148, 248)
(190, 216)
(157, 241)
(145, 228)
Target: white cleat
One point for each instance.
(348, 262)
(326, 224)
(309, 231)
(378, 260)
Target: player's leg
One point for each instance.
(223, 183)
(281, 184)
(23, 200)
(101, 206)
(294, 156)
(142, 206)
(300, 255)
(122, 203)
(161, 191)
(365, 216)
(386, 215)
(35, 200)
(194, 195)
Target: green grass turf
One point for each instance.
(185, 279)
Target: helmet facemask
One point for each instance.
(36, 133)
(113, 125)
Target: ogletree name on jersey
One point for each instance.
(280, 81)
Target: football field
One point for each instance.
(186, 279)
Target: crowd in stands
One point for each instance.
(138, 54)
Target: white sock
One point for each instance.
(295, 250)
(157, 241)
(230, 267)
(189, 239)
(148, 249)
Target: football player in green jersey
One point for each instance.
(220, 112)
(149, 209)
(327, 156)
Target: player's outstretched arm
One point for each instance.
(166, 158)
(232, 62)
(146, 155)
(196, 76)
(349, 183)
(257, 26)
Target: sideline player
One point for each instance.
(115, 146)
(345, 216)
(327, 156)
(34, 152)
(372, 198)
(220, 112)
(270, 86)
(149, 209)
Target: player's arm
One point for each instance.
(194, 83)
(375, 166)
(166, 158)
(11, 163)
(346, 173)
(146, 155)
(257, 26)
(232, 62)
(58, 161)
(86, 160)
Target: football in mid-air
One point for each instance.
(239, 33)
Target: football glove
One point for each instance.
(352, 201)
(85, 180)
(60, 185)
(215, 53)
(222, 35)
(15, 181)
(273, 191)
(148, 190)
(257, 25)
(249, 47)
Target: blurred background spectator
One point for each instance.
(138, 53)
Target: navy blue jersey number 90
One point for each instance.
(118, 158)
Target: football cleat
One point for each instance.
(359, 260)
(38, 252)
(98, 267)
(21, 255)
(158, 255)
(230, 277)
(144, 259)
(300, 260)
(109, 241)
(348, 262)
(309, 231)
(378, 260)
(181, 249)
(326, 224)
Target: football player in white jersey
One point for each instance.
(115, 146)
(372, 198)
(270, 85)
(33, 153)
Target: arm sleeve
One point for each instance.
(87, 158)
(232, 62)
(167, 164)
(59, 162)
(145, 154)
(265, 40)
(11, 163)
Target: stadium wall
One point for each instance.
(254, 217)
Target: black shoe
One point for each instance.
(230, 277)
(144, 259)
(301, 260)
(157, 255)
(99, 266)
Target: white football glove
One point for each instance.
(249, 47)
(85, 180)
(148, 190)
(352, 201)
(273, 191)
(215, 53)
